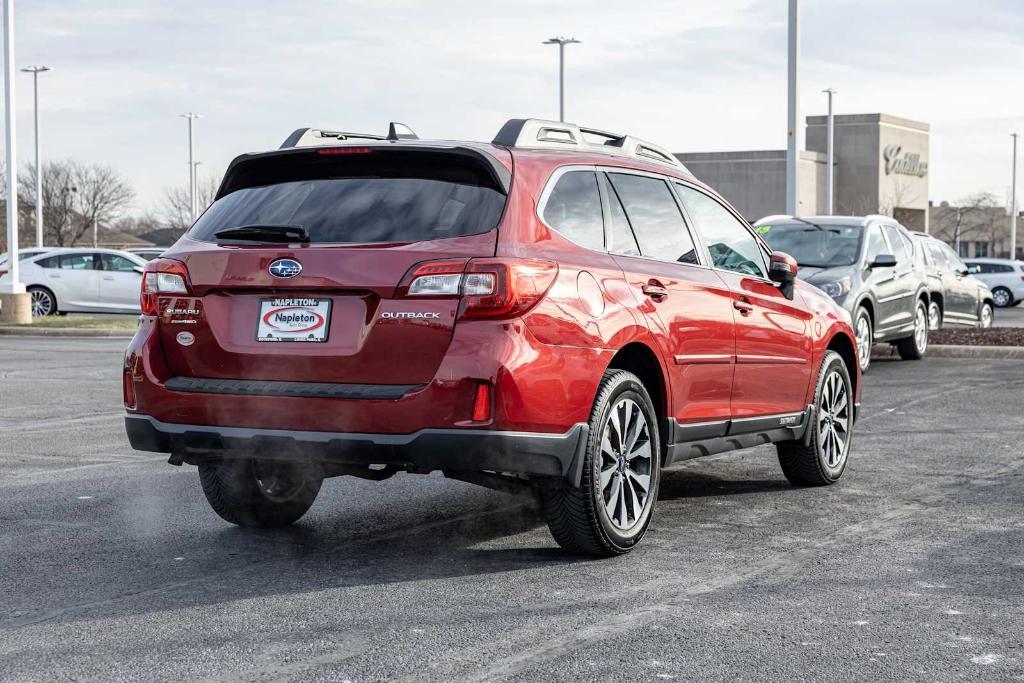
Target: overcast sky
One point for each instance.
(682, 73)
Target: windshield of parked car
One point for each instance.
(815, 246)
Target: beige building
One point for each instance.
(881, 166)
(981, 227)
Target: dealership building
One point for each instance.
(881, 166)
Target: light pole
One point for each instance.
(1013, 201)
(794, 136)
(831, 153)
(191, 165)
(14, 286)
(35, 71)
(561, 42)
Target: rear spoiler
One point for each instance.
(237, 175)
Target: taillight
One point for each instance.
(489, 288)
(162, 276)
(505, 288)
(129, 390)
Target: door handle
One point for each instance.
(655, 290)
(109, 277)
(744, 307)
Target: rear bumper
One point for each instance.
(465, 450)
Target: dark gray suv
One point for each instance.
(868, 265)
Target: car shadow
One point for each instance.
(688, 483)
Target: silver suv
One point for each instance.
(1004, 277)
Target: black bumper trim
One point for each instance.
(249, 387)
(471, 450)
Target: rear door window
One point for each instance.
(118, 263)
(655, 217)
(372, 197)
(77, 261)
(731, 245)
(574, 209)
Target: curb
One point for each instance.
(963, 351)
(63, 332)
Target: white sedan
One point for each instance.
(87, 280)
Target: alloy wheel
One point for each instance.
(626, 464)
(921, 329)
(863, 333)
(986, 316)
(834, 421)
(1001, 297)
(42, 304)
(934, 317)
(277, 481)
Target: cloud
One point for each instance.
(692, 76)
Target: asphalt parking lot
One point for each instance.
(1012, 316)
(113, 567)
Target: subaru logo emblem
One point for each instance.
(285, 267)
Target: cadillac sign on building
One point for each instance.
(897, 161)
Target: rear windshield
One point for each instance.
(368, 198)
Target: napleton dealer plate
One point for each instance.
(294, 320)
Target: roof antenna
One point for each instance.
(400, 131)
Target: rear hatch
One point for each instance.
(294, 272)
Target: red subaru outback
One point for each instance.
(562, 309)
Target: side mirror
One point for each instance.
(883, 261)
(782, 270)
(973, 270)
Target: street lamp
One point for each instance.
(35, 71)
(1013, 202)
(794, 139)
(191, 164)
(830, 149)
(561, 42)
(10, 137)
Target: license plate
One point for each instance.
(294, 320)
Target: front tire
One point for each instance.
(611, 510)
(822, 459)
(985, 316)
(259, 493)
(915, 346)
(44, 303)
(862, 329)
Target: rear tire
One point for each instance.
(610, 511)
(1002, 297)
(822, 460)
(915, 346)
(934, 316)
(259, 493)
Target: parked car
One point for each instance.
(957, 298)
(1004, 277)
(23, 254)
(867, 265)
(541, 311)
(147, 253)
(85, 280)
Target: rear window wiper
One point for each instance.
(265, 233)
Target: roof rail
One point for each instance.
(541, 134)
(314, 137)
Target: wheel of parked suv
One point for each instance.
(610, 511)
(43, 301)
(822, 459)
(253, 492)
(934, 316)
(914, 346)
(862, 330)
(1002, 297)
(985, 316)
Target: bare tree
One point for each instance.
(76, 196)
(175, 209)
(974, 218)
